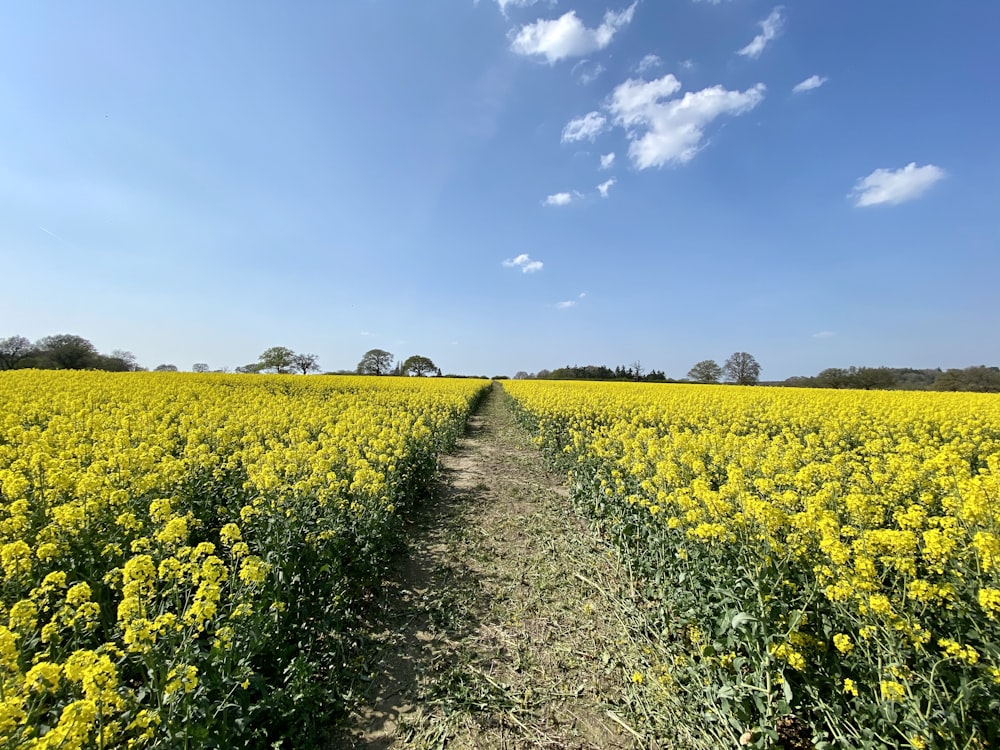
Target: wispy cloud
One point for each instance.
(648, 63)
(895, 186)
(566, 36)
(663, 130)
(505, 4)
(525, 263)
(567, 304)
(824, 334)
(560, 199)
(812, 82)
(587, 71)
(583, 128)
(607, 160)
(605, 186)
(52, 234)
(770, 28)
(366, 333)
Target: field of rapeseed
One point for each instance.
(182, 555)
(823, 566)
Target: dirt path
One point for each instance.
(497, 632)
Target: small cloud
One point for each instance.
(587, 71)
(583, 128)
(605, 186)
(560, 199)
(566, 36)
(648, 63)
(899, 186)
(505, 4)
(366, 333)
(824, 334)
(607, 160)
(582, 295)
(687, 64)
(525, 263)
(812, 82)
(770, 28)
(565, 305)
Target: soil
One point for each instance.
(498, 626)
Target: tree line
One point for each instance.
(71, 352)
(741, 368)
(978, 379)
(62, 352)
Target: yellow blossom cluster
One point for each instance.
(153, 527)
(859, 532)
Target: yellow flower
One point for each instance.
(843, 643)
(891, 691)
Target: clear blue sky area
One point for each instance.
(505, 185)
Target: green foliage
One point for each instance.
(706, 371)
(277, 359)
(375, 362)
(418, 365)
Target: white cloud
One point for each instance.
(662, 130)
(648, 63)
(688, 64)
(566, 304)
(899, 186)
(583, 128)
(605, 186)
(566, 36)
(607, 160)
(587, 71)
(824, 334)
(366, 333)
(560, 199)
(770, 27)
(525, 263)
(812, 82)
(505, 4)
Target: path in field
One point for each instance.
(497, 631)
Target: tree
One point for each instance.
(125, 360)
(277, 358)
(165, 368)
(65, 351)
(305, 362)
(12, 350)
(252, 369)
(706, 371)
(375, 362)
(418, 365)
(741, 368)
(200, 367)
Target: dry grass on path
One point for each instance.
(495, 631)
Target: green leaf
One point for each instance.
(740, 619)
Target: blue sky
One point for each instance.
(814, 183)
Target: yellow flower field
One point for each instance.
(182, 555)
(825, 560)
